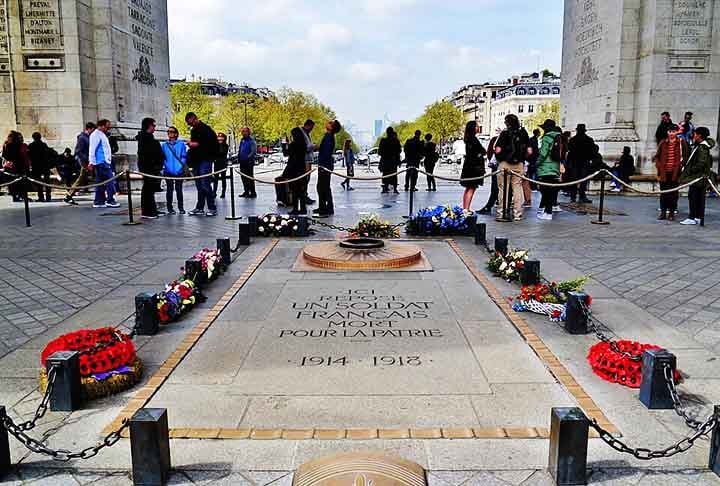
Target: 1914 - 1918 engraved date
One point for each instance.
(375, 361)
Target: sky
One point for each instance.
(364, 58)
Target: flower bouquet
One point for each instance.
(177, 299)
(276, 225)
(549, 300)
(108, 363)
(373, 227)
(508, 266)
(441, 220)
(617, 367)
(211, 263)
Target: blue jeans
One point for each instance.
(103, 172)
(204, 187)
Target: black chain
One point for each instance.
(62, 455)
(644, 454)
(44, 403)
(677, 403)
(595, 327)
(349, 230)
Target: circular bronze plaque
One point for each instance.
(331, 256)
(360, 469)
(362, 244)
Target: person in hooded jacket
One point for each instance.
(175, 152)
(698, 165)
(389, 151)
(548, 168)
(41, 160)
(150, 161)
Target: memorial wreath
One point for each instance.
(441, 220)
(508, 266)
(549, 299)
(211, 263)
(277, 225)
(620, 362)
(373, 227)
(177, 299)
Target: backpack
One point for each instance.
(517, 148)
(558, 152)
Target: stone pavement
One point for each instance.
(651, 281)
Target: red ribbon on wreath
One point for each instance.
(619, 368)
(119, 354)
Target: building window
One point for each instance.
(545, 91)
(556, 91)
(521, 108)
(531, 108)
(532, 91)
(521, 92)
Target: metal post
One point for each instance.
(530, 274)
(505, 217)
(131, 217)
(601, 210)
(654, 393)
(244, 234)
(480, 234)
(147, 321)
(66, 392)
(501, 245)
(714, 444)
(471, 224)
(412, 190)
(194, 272)
(223, 246)
(232, 216)
(5, 461)
(569, 431)
(150, 447)
(303, 226)
(576, 320)
(27, 205)
(253, 221)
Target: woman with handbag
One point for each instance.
(474, 165)
(16, 163)
(175, 152)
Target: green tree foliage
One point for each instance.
(187, 97)
(543, 112)
(443, 120)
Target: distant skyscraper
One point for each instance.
(379, 127)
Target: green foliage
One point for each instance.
(186, 97)
(543, 112)
(443, 120)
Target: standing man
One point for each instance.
(310, 149)
(101, 163)
(671, 157)
(151, 160)
(413, 154)
(40, 164)
(512, 149)
(687, 128)
(246, 157)
(431, 158)
(698, 165)
(531, 167)
(82, 156)
(294, 170)
(202, 154)
(326, 163)
(581, 150)
(662, 130)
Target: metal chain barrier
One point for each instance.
(44, 403)
(348, 230)
(594, 326)
(677, 403)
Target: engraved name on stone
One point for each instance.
(142, 26)
(589, 30)
(692, 23)
(41, 24)
(4, 46)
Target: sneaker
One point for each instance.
(161, 213)
(182, 211)
(518, 218)
(95, 205)
(171, 211)
(148, 217)
(545, 217)
(350, 188)
(557, 209)
(527, 205)
(689, 222)
(197, 212)
(113, 204)
(617, 189)
(71, 201)
(210, 213)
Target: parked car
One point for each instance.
(370, 157)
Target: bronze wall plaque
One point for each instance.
(360, 469)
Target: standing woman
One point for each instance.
(493, 164)
(349, 162)
(175, 152)
(221, 163)
(672, 155)
(17, 163)
(389, 152)
(474, 165)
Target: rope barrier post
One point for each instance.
(66, 392)
(576, 320)
(147, 322)
(150, 447)
(303, 226)
(569, 432)
(480, 234)
(131, 217)
(244, 234)
(5, 460)
(530, 273)
(601, 210)
(253, 222)
(654, 392)
(714, 443)
(194, 272)
(223, 246)
(232, 216)
(27, 205)
(409, 174)
(501, 245)
(505, 217)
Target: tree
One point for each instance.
(187, 97)
(443, 120)
(543, 112)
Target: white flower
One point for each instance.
(503, 266)
(283, 223)
(444, 215)
(295, 228)
(434, 219)
(265, 219)
(273, 219)
(261, 229)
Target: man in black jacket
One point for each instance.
(41, 157)
(203, 151)
(431, 158)
(581, 152)
(150, 161)
(662, 130)
(295, 168)
(413, 155)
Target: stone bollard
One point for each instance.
(5, 461)
(654, 393)
(253, 222)
(501, 245)
(569, 431)
(576, 321)
(150, 447)
(714, 444)
(530, 274)
(194, 272)
(481, 234)
(223, 246)
(66, 393)
(244, 234)
(147, 321)
(303, 226)
(421, 222)
(471, 224)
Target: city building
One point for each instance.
(378, 128)
(523, 99)
(475, 101)
(218, 87)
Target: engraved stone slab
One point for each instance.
(356, 469)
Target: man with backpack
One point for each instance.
(413, 155)
(548, 168)
(581, 152)
(511, 150)
(204, 149)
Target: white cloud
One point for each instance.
(370, 72)
(329, 34)
(386, 8)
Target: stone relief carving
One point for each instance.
(587, 75)
(143, 74)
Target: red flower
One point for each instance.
(113, 356)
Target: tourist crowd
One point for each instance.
(550, 161)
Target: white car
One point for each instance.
(370, 157)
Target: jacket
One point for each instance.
(40, 156)
(175, 157)
(431, 155)
(247, 151)
(326, 153)
(474, 164)
(296, 154)
(99, 149)
(82, 149)
(546, 166)
(151, 157)
(208, 148)
(513, 145)
(699, 164)
(581, 152)
(662, 154)
(413, 152)
(389, 151)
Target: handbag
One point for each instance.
(9, 165)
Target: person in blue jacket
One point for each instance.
(175, 152)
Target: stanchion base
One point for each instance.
(406, 217)
(601, 223)
(503, 220)
(131, 223)
(231, 218)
